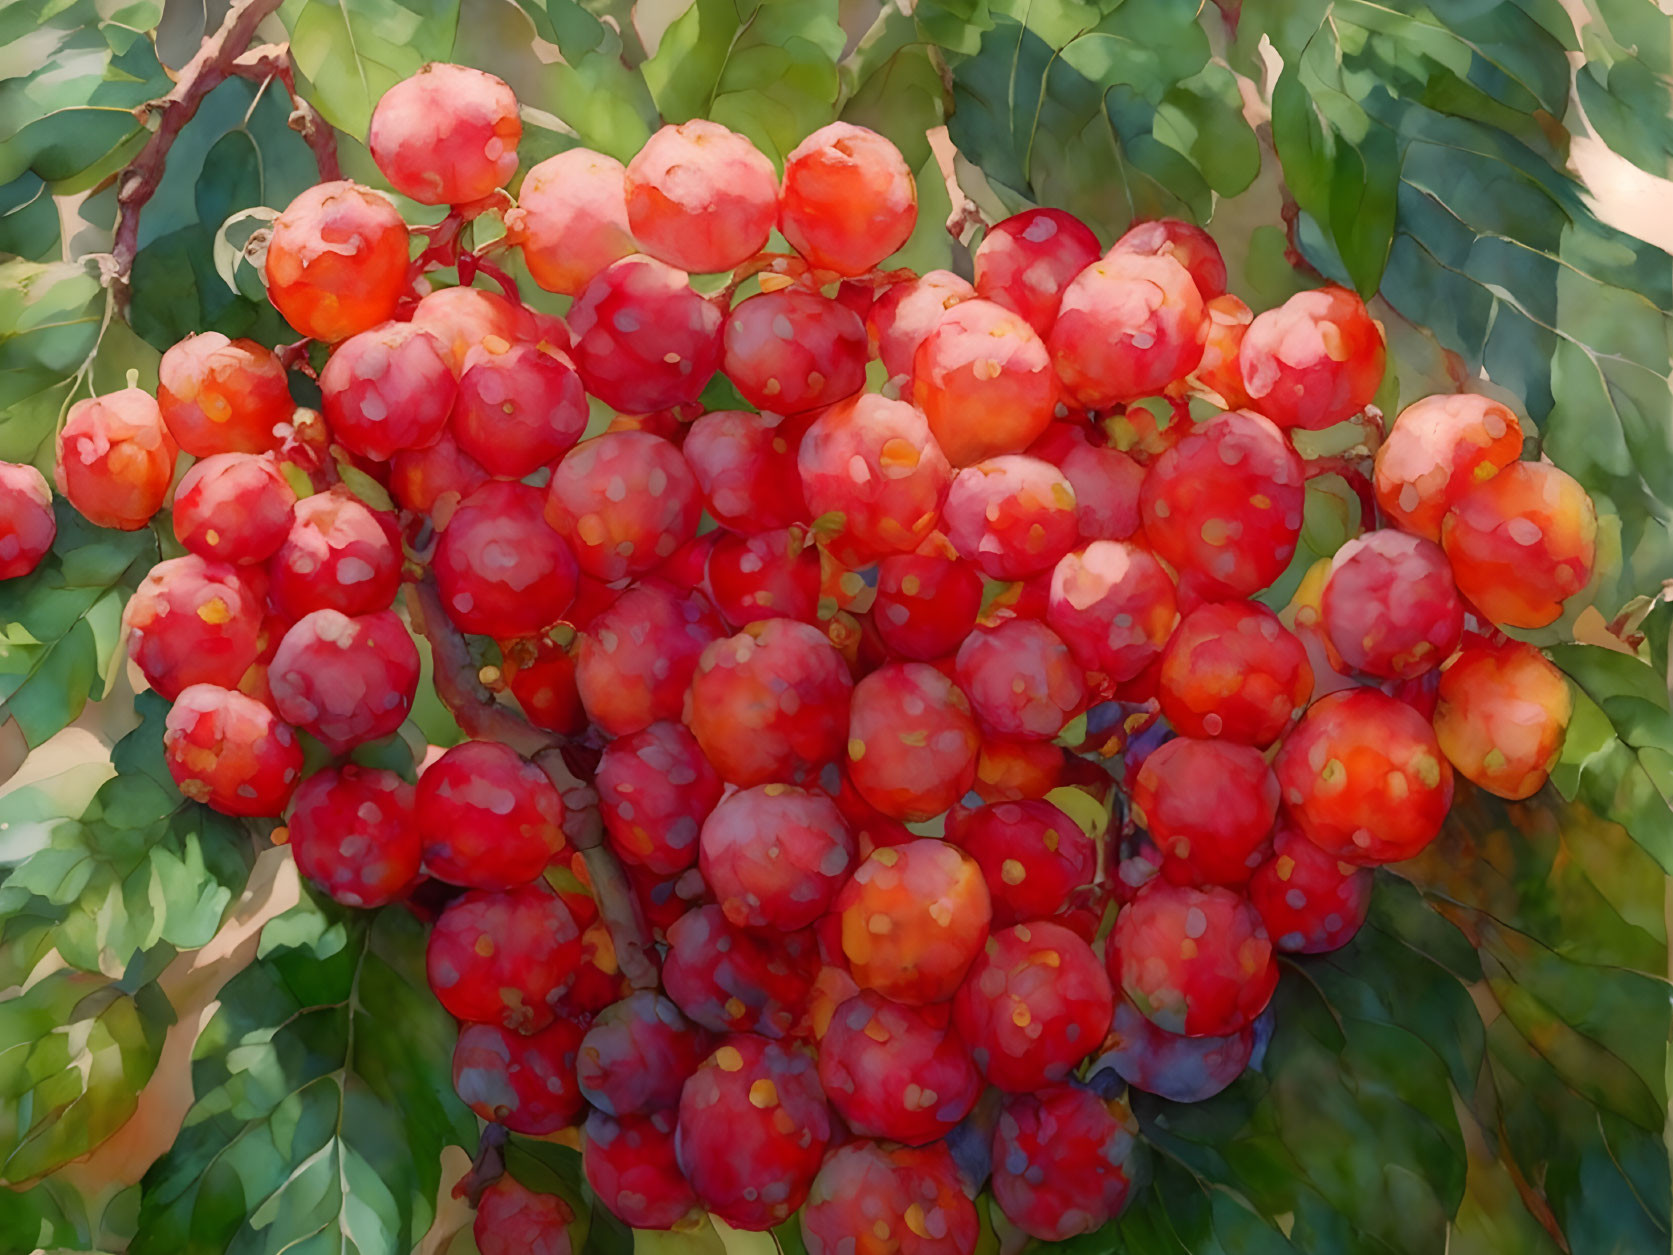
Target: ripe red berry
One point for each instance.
(115, 459)
(701, 197)
(636, 1056)
(1128, 326)
(729, 979)
(774, 856)
(433, 481)
(345, 680)
(1500, 716)
(1194, 961)
(1219, 371)
(194, 621)
(571, 219)
(387, 389)
(514, 1220)
(895, 1071)
(635, 660)
(1012, 516)
(847, 200)
(338, 555)
(488, 818)
(1171, 1065)
(655, 789)
(500, 568)
(771, 703)
(1209, 806)
(353, 834)
(465, 318)
(745, 467)
(1522, 543)
(1185, 242)
(873, 1199)
(231, 752)
(906, 312)
(912, 741)
(337, 261)
(236, 507)
(1310, 902)
(519, 407)
(984, 380)
(504, 958)
(223, 396)
(1313, 361)
(1363, 777)
(625, 501)
(630, 1164)
(1106, 482)
(644, 340)
(793, 350)
(1389, 605)
(1021, 680)
(926, 605)
(1224, 505)
(1437, 449)
(1063, 1161)
(1114, 607)
(446, 135)
(770, 575)
(1025, 262)
(27, 525)
(913, 918)
(1232, 670)
(1009, 771)
(752, 1131)
(525, 1082)
(1032, 855)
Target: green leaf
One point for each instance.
(37, 1218)
(51, 318)
(75, 1052)
(28, 219)
(1625, 81)
(324, 1099)
(59, 625)
(765, 68)
(890, 84)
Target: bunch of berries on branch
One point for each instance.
(837, 662)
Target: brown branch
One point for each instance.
(138, 183)
(459, 685)
(270, 61)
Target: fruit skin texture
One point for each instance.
(896, 1072)
(636, 1056)
(873, 461)
(912, 741)
(634, 661)
(1176, 1067)
(906, 312)
(345, 680)
(753, 1128)
(1389, 605)
(223, 396)
(446, 135)
(1363, 777)
(775, 855)
(1114, 607)
(913, 919)
(571, 219)
(1194, 961)
(624, 501)
(1106, 482)
(847, 199)
(488, 818)
(27, 525)
(1025, 262)
(873, 1199)
(630, 1164)
(1310, 902)
(1063, 1161)
(353, 834)
(231, 752)
(504, 958)
(525, 1082)
(1034, 1004)
(1438, 448)
(338, 555)
(194, 621)
(1313, 361)
(115, 459)
(233, 506)
(519, 407)
(655, 789)
(1209, 805)
(794, 350)
(464, 318)
(1228, 322)
(513, 1220)
(1232, 670)
(1500, 716)
(1185, 242)
(1032, 856)
(1522, 543)
(984, 380)
(337, 261)
(771, 703)
(745, 466)
(500, 568)
(700, 197)
(1223, 507)
(992, 664)
(926, 604)
(1128, 326)
(628, 320)
(732, 980)
(387, 389)
(1013, 516)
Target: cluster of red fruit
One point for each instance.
(829, 725)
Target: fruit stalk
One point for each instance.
(273, 61)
